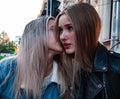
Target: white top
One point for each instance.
(52, 77)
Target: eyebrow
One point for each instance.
(66, 25)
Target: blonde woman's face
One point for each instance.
(53, 45)
(67, 35)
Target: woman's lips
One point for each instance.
(66, 45)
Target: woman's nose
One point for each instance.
(63, 36)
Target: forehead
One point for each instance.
(63, 20)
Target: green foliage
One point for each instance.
(1, 57)
(6, 46)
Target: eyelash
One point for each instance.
(70, 28)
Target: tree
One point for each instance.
(6, 46)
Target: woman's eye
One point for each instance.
(70, 28)
(60, 30)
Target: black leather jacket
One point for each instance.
(104, 81)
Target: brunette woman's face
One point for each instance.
(53, 46)
(67, 35)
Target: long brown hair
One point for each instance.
(32, 59)
(86, 24)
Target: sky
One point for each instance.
(15, 14)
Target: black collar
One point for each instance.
(100, 59)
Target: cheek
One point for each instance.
(51, 38)
(72, 37)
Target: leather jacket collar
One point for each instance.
(100, 59)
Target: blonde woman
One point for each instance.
(36, 72)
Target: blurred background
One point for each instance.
(15, 14)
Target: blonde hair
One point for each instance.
(32, 58)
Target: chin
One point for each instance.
(57, 51)
(69, 52)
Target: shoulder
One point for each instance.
(7, 60)
(51, 92)
(6, 67)
(114, 55)
(114, 61)
(7, 63)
